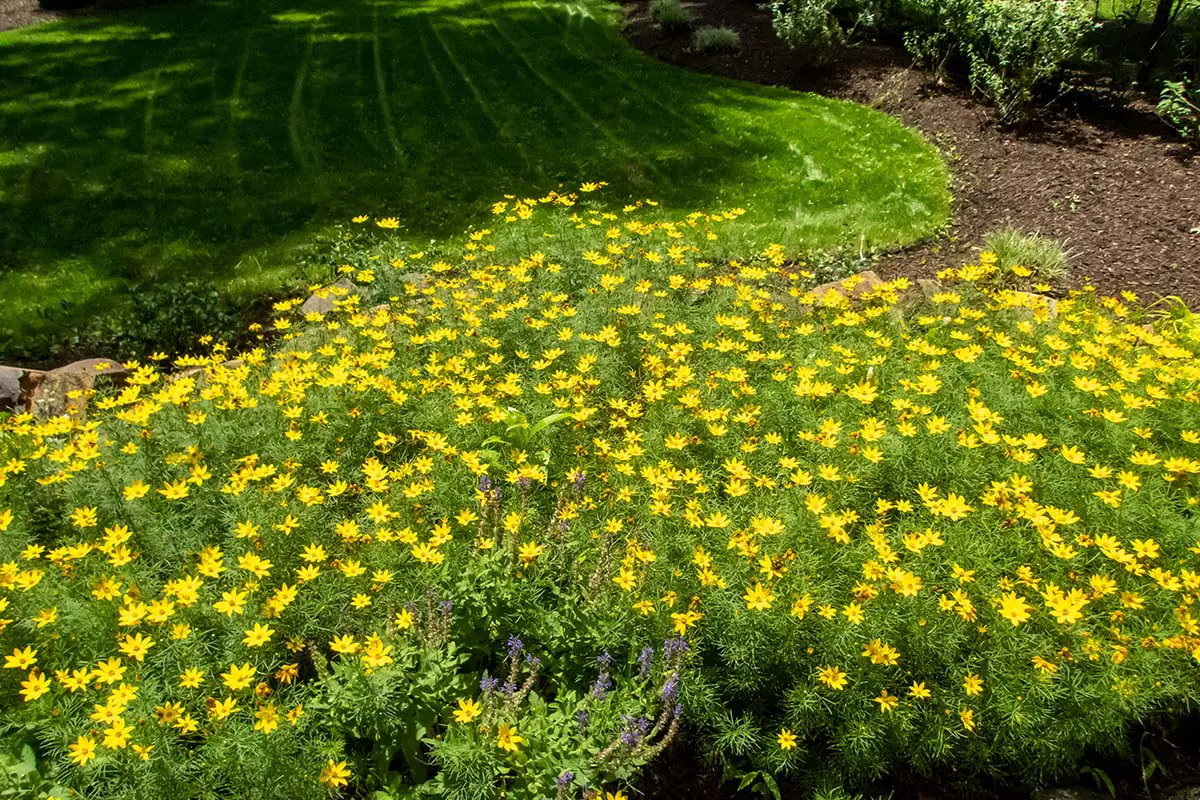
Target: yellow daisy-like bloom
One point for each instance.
(468, 709)
(82, 750)
(238, 677)
(758, 597)
(33, 687)
(507, 738)
(832, 677)
(786, 740)
(335, 774)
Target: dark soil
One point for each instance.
(1101, 173)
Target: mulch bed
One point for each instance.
(1104, 175)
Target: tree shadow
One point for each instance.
(147, 145)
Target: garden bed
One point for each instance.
(566, 502)
(1108, 179)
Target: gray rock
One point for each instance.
(322, 301)
(94, 367)
(10, 388)
(65, 390)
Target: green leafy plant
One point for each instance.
(520, 435)
(1013, 50)
(1179, 105)
(809, 27)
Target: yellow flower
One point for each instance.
(917, 691)
(257, 636)
(1014, 608)
(832, 677)
(467, 710)
(82, 750)
(529, 551)
(335, 774)
(21, 659)
(508, 739)
(191, 678)
(758, 597)
(973, 685)
(786, 739)
(36, 685)
(887, 702)
(136, 646)
(135, 491)
(1072, 455)
(238, 677)
(344, 644)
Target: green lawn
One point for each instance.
(205, 139)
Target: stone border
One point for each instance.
(65, 390)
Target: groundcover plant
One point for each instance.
(545, 512)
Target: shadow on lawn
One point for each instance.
(150, 146)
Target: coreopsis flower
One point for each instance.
(21, 659)
(759, 597)
(786, 740)
(82, 750)
(335, 774)
(887, 702)
(1014, 608)
(238, 676)
(468, 709)
(832, 677)
(33, 687)
(507, 738)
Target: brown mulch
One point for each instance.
(1104, 175)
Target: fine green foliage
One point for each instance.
(713, 38)
(832, 532)
(1041, 257)
(670, 13)
(1179, 105)
(208, 140)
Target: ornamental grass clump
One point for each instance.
(820, 535)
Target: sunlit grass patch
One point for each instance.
(189, 140)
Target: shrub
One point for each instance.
(1027, 254)
(814, 28)
(503, 535)
(670, 13)
(1014, 49)
(1179, 105)
(1021, 48)
(712, 38)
